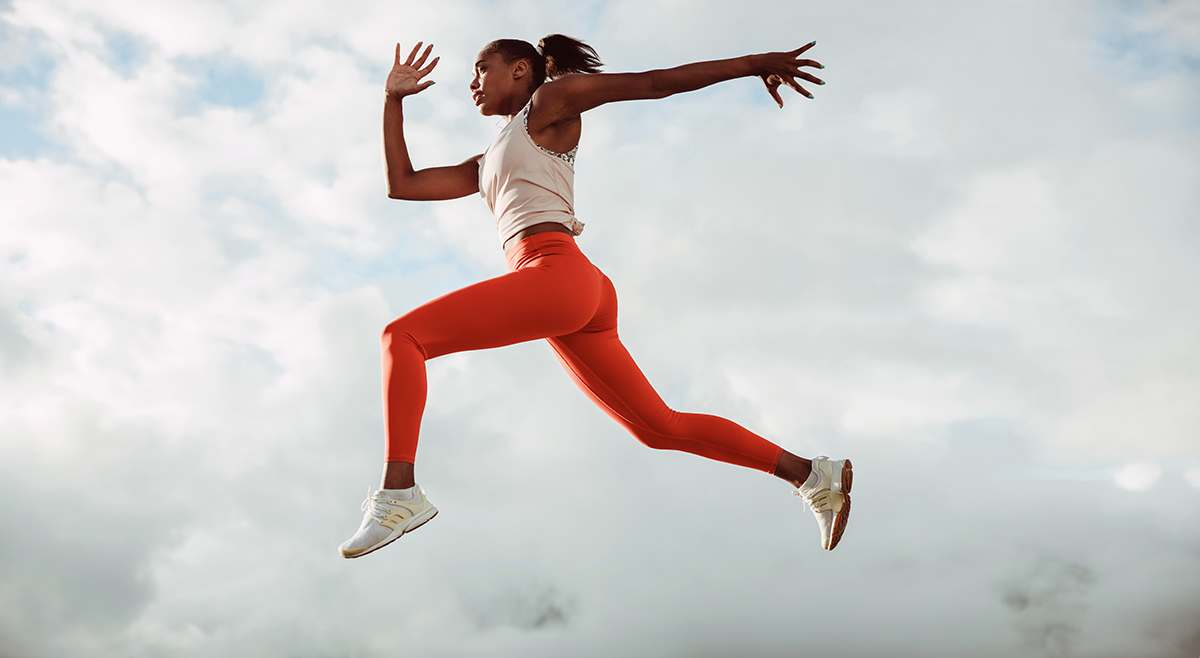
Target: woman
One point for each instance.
(551, 290)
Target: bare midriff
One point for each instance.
(544, 227)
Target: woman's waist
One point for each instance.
(538, 229)
(511, 225)
(541, 241)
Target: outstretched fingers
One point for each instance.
(425, 71)
(413, 54)
(779, 69)
(774, 81)
(810, 77)
(791, 82)
(805, 62)
(421, 62)
(801, 50)
(798, 72)
(405, 77)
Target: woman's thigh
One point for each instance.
(604, 369)
(556, 297)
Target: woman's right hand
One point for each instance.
(405, 79)
(778, 69)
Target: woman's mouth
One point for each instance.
(478, 98)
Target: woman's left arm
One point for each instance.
(571, 95)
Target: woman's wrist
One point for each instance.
(753, 65)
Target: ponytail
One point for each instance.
(556, 55)
(566, 55)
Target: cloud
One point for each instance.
(964, 267)
(906, 122)
(531, 607)
(1176, 629)
(1049, 602)
(1137, 476)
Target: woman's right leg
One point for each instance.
(552, 292)
(554, 295)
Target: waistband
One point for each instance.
(528, 246)
(534, 229)
(564, 222)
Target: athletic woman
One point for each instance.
(551, 290)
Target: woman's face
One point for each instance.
(495, 82)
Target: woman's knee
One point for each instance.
(652, 440)
(400, 334)
(659, 433)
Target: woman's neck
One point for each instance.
(519, 103)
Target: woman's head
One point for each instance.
(511, 67)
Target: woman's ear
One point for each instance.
(521, 69)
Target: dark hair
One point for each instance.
(556, 55)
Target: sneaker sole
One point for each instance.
(843, 516)
(413, 523)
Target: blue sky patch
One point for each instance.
(126, 53)
(1150, 50)
(20, 117)
(223, 81)
(21, 136)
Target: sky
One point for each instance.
(968, 264)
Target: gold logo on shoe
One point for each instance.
(394, 518)
(827, 501)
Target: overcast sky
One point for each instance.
(969, 264)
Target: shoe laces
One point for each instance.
(375, 506)
(800, 494)
(825, 500)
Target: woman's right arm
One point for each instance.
(404, 182)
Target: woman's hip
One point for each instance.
(550, 248)
(544, 227)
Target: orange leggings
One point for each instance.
(551, 291)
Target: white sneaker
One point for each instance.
(827, 492)
(386, 520)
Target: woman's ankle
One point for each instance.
(793, 469)
(397, 475)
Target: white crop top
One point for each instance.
(525, 184)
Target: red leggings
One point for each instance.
(551, 291)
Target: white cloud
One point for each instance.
(1006, 220)
(907, 122)
(957, 266)
(1138, 476)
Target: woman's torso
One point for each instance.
(524, 184)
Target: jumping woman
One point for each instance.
(551, 290)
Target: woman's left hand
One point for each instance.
(405, 78)
(778, 69)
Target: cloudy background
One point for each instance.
(970, 265)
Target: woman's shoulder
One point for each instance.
(546, 107)
(556, 90)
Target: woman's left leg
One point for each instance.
(604, 370)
